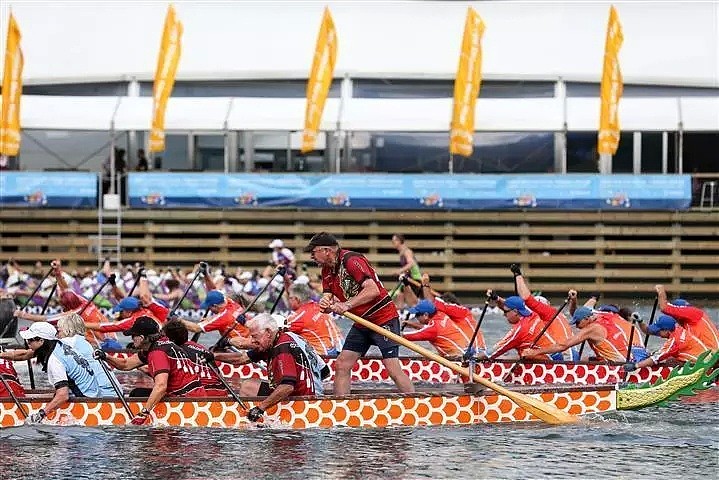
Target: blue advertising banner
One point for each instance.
(48, 189)
(410, 191)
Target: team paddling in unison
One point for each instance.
(293, 347)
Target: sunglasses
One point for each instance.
(34, 339)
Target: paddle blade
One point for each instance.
(544, 411)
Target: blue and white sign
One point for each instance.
(48, 189)
(410, 191)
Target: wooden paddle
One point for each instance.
(417, 284)
(544, 411)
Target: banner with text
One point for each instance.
(48, 189)
(410, 191)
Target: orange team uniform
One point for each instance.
(698, 323)
(91, 315)
(613, 348)
(443, 333)
(521, 336)
(464, 319)
(319, 329)
(681, 345)
(626, 328)
(559, 330)
(225, 320)
(154, 310)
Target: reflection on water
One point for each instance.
(675, 442)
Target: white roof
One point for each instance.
(82, 41)
(361, 114)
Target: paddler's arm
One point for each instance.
(17, 355)
(62, 395)
(572, 295)
(120, 363)
(282, 391)
(30, 316)
(159, 389)
(368, 293)
(587, 333)
(243, 343)
(238, 358)
(661, 296)
(192, 326)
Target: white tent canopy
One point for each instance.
(217, 114)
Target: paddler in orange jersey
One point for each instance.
(691, 318)
(558, 330)
(225, 313)
(680, 344)
(608, 340)
(72, 302)
(438, 329)
(307, 320)
(525, 327)
(448, 304)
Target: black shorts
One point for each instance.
(360, 339)
(265, 390)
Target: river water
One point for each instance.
(679, 441)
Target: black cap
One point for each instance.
(322, 239)
(143, 326)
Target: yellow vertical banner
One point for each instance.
(11, 91)
(466, 86)
(320, 80)
(611, 88)
(167, 61)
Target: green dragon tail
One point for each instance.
(682, 381)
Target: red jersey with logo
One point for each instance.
(317, 328)
(698, 323)
(345, 280)
(201, 357)
(521, 337)
(166, 357)
(127, 323)
(681, 345)
(286, 365)
(443, 333)
(464, 319)
(7, 371)
(225, 320)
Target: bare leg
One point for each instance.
(343, 368)
(394, 369)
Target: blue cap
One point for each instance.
(580, 314)
(214, 297)
(424, 306)
(127, 303)
(516, 303)
(664, 322)
(680, 302)
(608, 308)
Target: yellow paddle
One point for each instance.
(544, 411)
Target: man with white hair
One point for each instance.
(67, 370)
(293, 367)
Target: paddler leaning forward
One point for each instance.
(293, 367)
(168, 364)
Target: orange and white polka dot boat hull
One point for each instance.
(530, 373)
(371, 410)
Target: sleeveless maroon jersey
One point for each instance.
(166, 357)
(201, 357)
(345, 280)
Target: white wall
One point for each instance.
(665, 42)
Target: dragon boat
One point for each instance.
(445, 404)
(370, 369)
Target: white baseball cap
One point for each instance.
(302, 280)
(276, 243)
(246, 275)
(39, 329)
